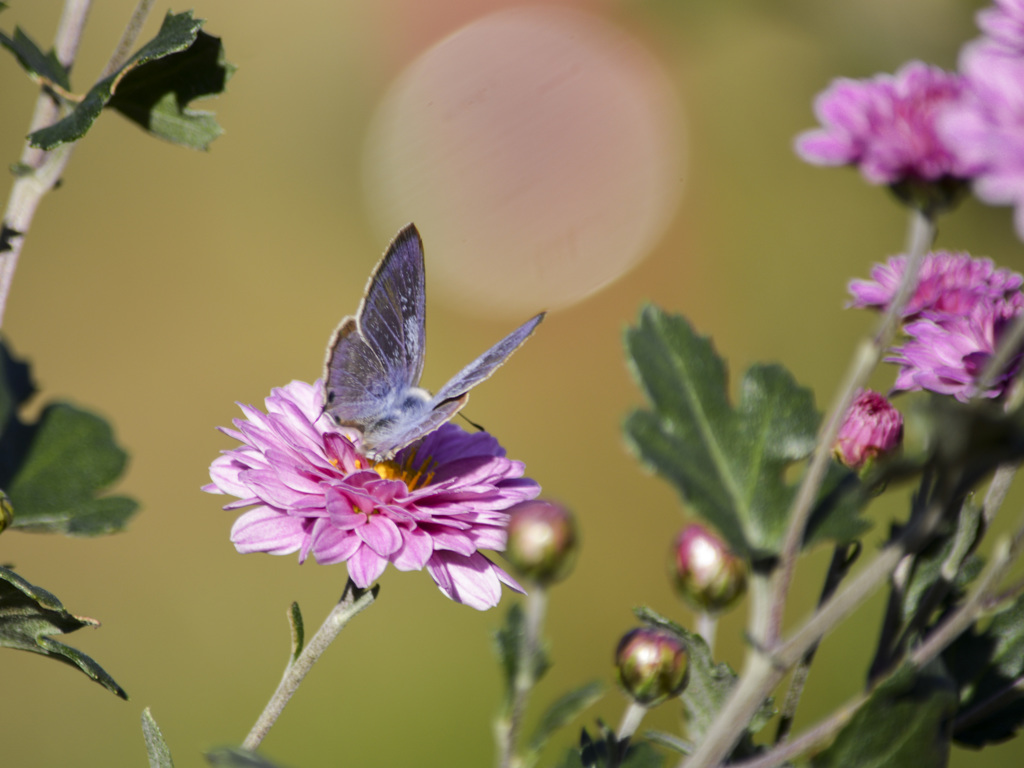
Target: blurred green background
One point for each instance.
(158, 286)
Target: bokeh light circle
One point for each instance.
(539, 151)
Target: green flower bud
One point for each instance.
(652, 665)
(542, 541)
(705, 573)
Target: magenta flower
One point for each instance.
(948, 282)
(947, 353)
(433, 506)
(986, 127)
(872, 428)
(886, 126)
(1004, 24)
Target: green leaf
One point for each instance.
(945, 564)
(33, 60)
(563, 710)
(904, 723)
(156, 96)
(728, 463)
(298, 631)
(233, 757)
(66, 458)
(988, 667)
(53, 469)
(156, 748)
(30, 616)
(15, 389)
(155, 88)
(708, 686)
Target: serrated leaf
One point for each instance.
(904, 724)
(156, 748)
(987, 667)
(233, 757)
(156, 96)
(298, 631)
(33, 60)
(64, 459)
(30, 616)
(945, 559)
(15, 388)
(184, 77)
(728, 463)
(563, 710)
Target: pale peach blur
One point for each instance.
(539, 151)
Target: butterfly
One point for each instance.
(375, 359)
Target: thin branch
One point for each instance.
(353, 601)
(41, 170)
(866, 359)
(507, 727)
(128, 38)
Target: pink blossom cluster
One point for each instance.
(926, 125)
(954, 321)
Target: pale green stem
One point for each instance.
(631, 719)
(352, 602)
(707, 626)
(41, 170)
(507, 727)
(921, 233)
(767, 661)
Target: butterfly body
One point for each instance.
(375, 358)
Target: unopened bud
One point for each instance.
(652, 665)
(705, 572)
(542, 541)
(872, 428)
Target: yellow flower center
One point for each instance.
(404, 471)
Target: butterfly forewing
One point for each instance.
(375, 357)
(393, 313)
(481, 368)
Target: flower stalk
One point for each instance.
(508, 726)
(353, 601)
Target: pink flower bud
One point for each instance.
(542, 541)
(652, 665)
(873, 427)
(705, 572)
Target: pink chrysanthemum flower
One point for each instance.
(872, 428)
(948, 282)
(986, 127)
(886, 126)
(948, 353)
(1003, 23)
(433, 506)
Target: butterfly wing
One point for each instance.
(482, 368)
(375, 357)
(408, 426)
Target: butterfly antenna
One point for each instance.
(471, 422)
